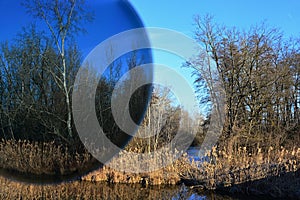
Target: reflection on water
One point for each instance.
(193, 153)
(95, 190)
(90, 190)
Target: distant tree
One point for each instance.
(160, 123)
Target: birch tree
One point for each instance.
(64, 20)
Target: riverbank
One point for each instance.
(270, 174)
(10, 189)
(283, 186)
(263, 172)
(221, 167)
(43, 158)
(78, 190)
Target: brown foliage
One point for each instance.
(41, 158)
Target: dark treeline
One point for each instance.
(38, 70)
(32, 97)
(260, 72)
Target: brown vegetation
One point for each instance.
(87, 190)
(38, 158)
(225, 170)
(258, 70)
(79, 190)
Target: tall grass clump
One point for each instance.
(39, 158)
(227, 168)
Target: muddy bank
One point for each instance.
(283, 186)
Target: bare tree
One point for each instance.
(160, 123)
(259, 72)
(64, 19)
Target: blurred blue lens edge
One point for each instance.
(43, 179)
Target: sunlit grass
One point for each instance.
(224, 168)
(40, 158)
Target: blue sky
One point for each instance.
(178, 14)
(173, 14)
(110, 17)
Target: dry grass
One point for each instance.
(224, 168)
(83, 190)
(40, 158)
(168, 175)
(227, 168)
